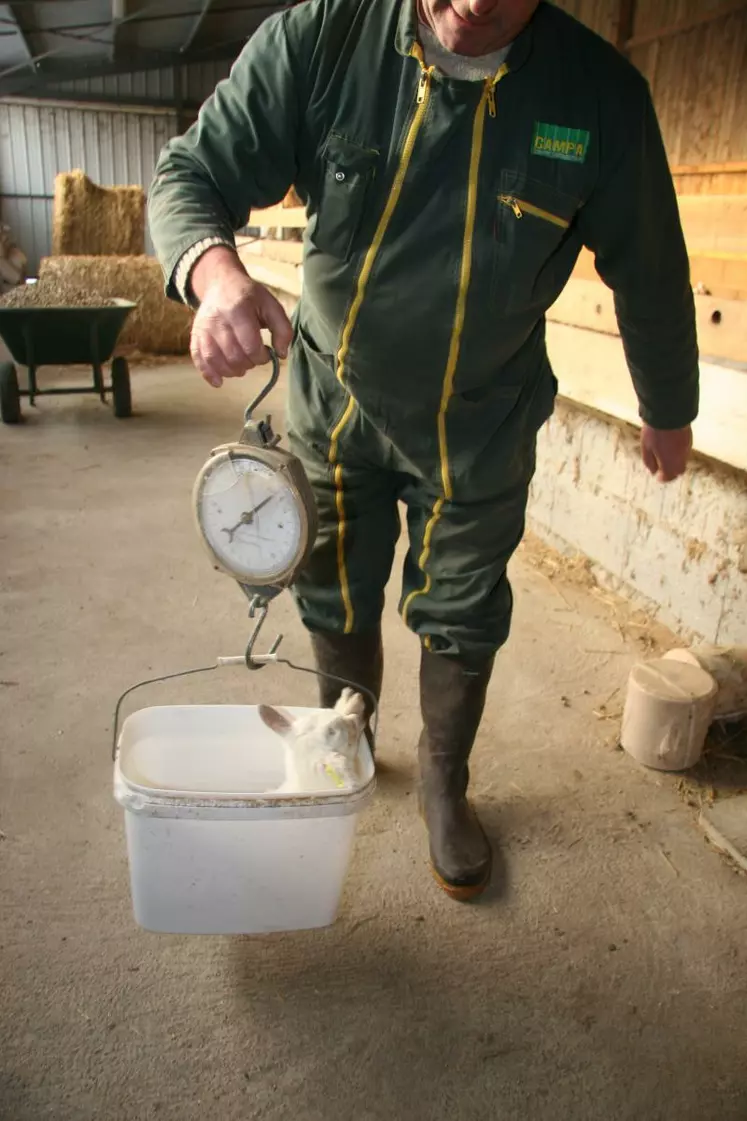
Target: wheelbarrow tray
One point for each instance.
(63, 336)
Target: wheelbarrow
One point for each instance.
(63, 336)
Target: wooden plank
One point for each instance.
(736, 168)
(718, 183)
(279, 217)
(585, 303)
(625, 23)
(714, 222)
(289, 251)
(723, 274)
(722, 324)
(689, 24)
(592, 371)
(726, 825)
(275, 274)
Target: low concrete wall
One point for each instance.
(679, 549)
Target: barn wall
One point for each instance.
(40, 139)
(192, 83)
(698, 78)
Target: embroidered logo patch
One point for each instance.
(559, 143)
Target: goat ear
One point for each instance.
(275, 719)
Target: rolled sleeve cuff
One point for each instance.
(183, 271)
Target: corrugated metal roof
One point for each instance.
(47, 41)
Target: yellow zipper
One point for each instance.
(422, 99)
(521, 206)
(423, 96)
(478, 128)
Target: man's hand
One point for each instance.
(666, 451)
(226, 339)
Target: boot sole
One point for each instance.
(460, 893)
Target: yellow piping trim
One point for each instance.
(424, 556)
(342, 567)
(478, 128)
(337, 430)
(423, 96)
(520, 205)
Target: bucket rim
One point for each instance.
(233, 799)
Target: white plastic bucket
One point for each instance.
(212, 850)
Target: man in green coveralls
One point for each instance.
(453, 156)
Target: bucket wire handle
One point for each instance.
(151, 681)
(239, 660)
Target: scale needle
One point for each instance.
(246, 518)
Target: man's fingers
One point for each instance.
(666, 468)
(666, 451)
(209, 358)
(649, 458)
(667, 472)
(246, 327)
(237, 359)
(227, 332)
(277, 322)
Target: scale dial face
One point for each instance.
(251, 518)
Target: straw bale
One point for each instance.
(88, 219)
(156, 326)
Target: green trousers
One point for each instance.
(462, 528)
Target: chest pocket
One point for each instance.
(348, 170)
(534, 241)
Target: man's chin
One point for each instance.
(461, 37)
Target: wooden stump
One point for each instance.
(668, 710)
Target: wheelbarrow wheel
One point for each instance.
(121, 395)
(10, 396)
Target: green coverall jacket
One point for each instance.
(445, 217)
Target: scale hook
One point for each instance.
(259, 606)
(274, 376)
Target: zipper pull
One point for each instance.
(490, 91)
(509, 200)
(425, 81)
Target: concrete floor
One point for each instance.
(602, 978)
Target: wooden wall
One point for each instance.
(694, 56)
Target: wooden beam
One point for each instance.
(722, 324)
(714, 223)
(196, 27)
(724, 275)
(284, 277)
(625, 24)
(279, 217)
(291, 252)
(735, 167)
(685, 25)
(21, 34)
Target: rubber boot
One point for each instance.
(452, 699)
(355, 657)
